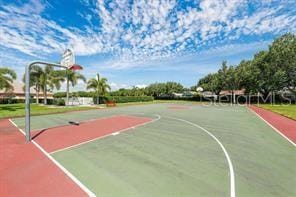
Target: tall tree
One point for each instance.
(51, 79)
(248, 75)
(215, 82)
(282, 55)
(56, 77)
(157, 89)
(233, 80)
(73, 78)
(222, 74)
(269, 71)
(270, 77)
(45, 79)
(99, 85)
(6, 78)
(35, 80)
(211, 82)
(173, 87)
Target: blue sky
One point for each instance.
(134, 43)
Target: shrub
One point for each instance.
(75, 94)
(123, 99)
(12, 100)
(126, 99)
(59, 102)
(195, 97)
(59, 95)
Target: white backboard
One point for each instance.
(199, 89)
(68, 58)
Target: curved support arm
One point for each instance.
(27, 93)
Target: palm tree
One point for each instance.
(72, 77)
(36, 73)
(6, 78)
(51, 79)
(99, 85)
(55, 79)
(41, 79)
(45, 79)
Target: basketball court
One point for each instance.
(155, 150)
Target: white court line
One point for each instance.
(272, 127)
(71, 176)
(232, 180)
(114, 133)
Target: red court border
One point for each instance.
(26, 171)
(283, 125)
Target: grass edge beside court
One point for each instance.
(288, 111)
(272, 126)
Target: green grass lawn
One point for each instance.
(18, 110)
(285, 110)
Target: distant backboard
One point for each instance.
(199, 89)
(68, 59)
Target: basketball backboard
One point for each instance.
(68, 59)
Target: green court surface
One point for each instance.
(181, 153)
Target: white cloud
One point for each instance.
(200, 62)
(116, 86)
(30, 33)
(144, 31)
(141, 86)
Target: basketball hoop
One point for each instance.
(68, 61)
(75, 67)
(199, 89)
(68, 58)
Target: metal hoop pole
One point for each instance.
(27, 93)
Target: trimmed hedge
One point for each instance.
(11, 100)
(59, 95)
(15, 101)
(76, 94)
(193, 98)
(59, 102)
(127, 99)
(123, 99)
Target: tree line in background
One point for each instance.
(101, 91)
(155, 90)
(269, 71)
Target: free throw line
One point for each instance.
(116, 132)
